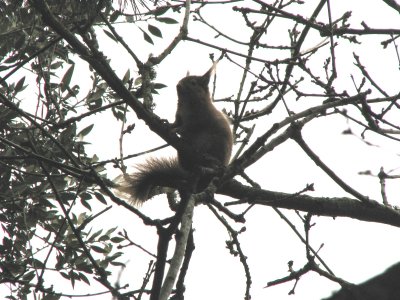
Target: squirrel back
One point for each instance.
(200, 125)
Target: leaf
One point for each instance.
(154, 30)
(28, 276)
(100, 197)
(84, 278)
(117, 239)
(20, 85)
(159, 86)
(110, 35)
(98, 249)
(67, 78)
(118, 115)
(95, 235)
(86, 130)
(114, 16)
(167, 20)
(96, 95)
(85, 196)
(83, 266)
(95, 158)
(104, 238)
(111, 230)
(118, 264)
(146, 37)
(138, 81)
(160, 10)
(114, 256)
(86, 204)
(72, 277)
(56, 65)
(100, 168)
(38, 263)
(127, 76)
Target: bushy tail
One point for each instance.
(140, 186)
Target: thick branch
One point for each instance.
(322, 206)
(179, 252)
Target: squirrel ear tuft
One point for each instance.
(213, 68)
(206, 77)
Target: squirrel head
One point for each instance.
(195, 88)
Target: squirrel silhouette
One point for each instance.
(201, 125)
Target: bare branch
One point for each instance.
(321, 206)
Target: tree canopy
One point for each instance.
(310, 88)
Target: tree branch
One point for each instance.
(179, 253)
(321, 206)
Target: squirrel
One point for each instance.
(201, 125)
